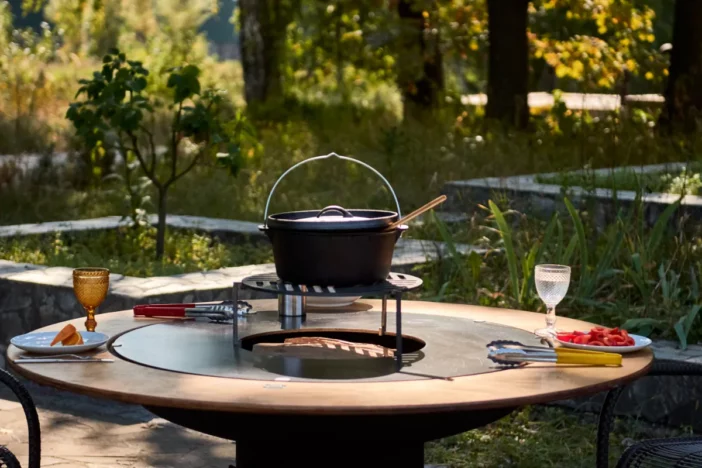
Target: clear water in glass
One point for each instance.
(552, 283)
(551, 292)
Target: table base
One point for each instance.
(323, 441)
(296, 453)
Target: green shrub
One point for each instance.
(130, 251)
(624, 274)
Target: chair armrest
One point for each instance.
(660, 367)
(675, 452)
(30, 412)
(7, 459)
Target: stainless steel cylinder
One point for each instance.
(291, 306)
(291, 323)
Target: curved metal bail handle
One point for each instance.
(330, 155)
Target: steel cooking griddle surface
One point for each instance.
(454, 346)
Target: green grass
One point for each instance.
(539, 437)
(416, 156)
(130, 252)
(624, 273)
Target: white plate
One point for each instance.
(640, 342)
(329, 302)
(40, 343)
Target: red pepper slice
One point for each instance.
(617, 340)
(599, 336)
(582, 339)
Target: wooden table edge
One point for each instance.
(282, 408)
(338, 410)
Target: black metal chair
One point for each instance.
(682, 452)
(7, 459)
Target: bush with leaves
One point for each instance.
(117, 114)
(25, 84)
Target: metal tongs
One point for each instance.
(220, 312)
(512, 353)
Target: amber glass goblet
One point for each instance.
(90, 287)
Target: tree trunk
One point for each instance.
(420, 74)
(262, 35)
(683, 94)
(252, 51)
(161, 227)
(508, 67)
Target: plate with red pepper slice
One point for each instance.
(612, 340)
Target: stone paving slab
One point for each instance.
(82, 432)
(593, 102)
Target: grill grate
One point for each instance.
(394, 286)
(269, 282)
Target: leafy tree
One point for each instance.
(168, 29)
(341, 46)
(598, 43)
(118, 112)
(595, 43)
(5, 24)
(90, 27)
(24, 82)
(683, 94)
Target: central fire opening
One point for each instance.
(330, 353)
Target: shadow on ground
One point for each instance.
(83, 432)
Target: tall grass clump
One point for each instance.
(625, 273)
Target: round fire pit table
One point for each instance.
(302, 415)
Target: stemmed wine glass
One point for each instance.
(552, 283)
(90, 286)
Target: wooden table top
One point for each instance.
(133, 383)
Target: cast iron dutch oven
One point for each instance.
(333, 246)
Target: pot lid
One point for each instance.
(333, 218)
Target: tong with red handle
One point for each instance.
(225, 309)
(162, 310)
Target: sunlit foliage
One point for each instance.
(590, 42)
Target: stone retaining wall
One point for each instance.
(225, 229)
(526, 195)
(33, 296)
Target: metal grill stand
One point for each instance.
(291, 300)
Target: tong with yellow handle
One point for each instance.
(513, 353)
(583, 356)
